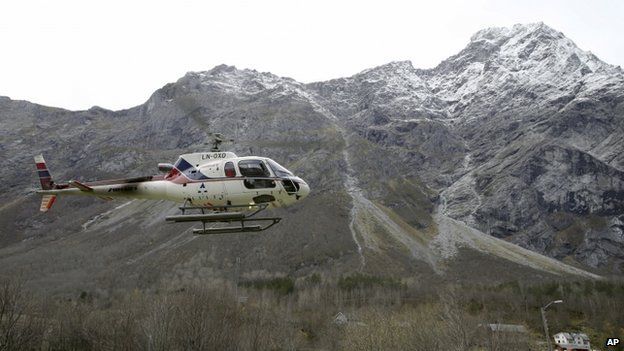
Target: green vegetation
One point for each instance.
(282, 286)
(363, 281)
(313, 279)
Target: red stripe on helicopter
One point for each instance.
(51, 202)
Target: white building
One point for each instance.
(341, 319)
(572, 341)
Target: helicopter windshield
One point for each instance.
(279, 170)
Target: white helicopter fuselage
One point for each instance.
(208, 179)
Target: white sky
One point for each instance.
(114, 54)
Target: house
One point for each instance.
(507, 328)
(498, 336)
(571, 341)
(341, 319)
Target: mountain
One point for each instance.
(520, 134)
(507, 155)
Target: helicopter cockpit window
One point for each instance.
(255, 169)
(279, 170)
(230, 170)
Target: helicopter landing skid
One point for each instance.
(220, 214)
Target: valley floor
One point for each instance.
(355, 312)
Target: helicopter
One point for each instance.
(213, 187)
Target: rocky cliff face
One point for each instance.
(419, 173)
(517, 130)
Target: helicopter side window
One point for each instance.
(230, 170)
(252, 170)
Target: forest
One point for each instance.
(351, 312)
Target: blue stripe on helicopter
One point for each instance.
(182, 165)
(188, 170)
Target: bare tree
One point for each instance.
(206, 320)
(159, 325)
(460, 325)
(19, 329)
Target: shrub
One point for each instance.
(364, 281)
(282, 286)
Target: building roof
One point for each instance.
(507, 328)
(573, 335)
(340, 318)
(579, 341)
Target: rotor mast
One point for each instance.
(217, 140)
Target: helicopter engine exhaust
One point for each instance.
(165, 167)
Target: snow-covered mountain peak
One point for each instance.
(241, 81)
(497, 34)
(536, 45)
(533, 56)
(392, 67)
(394, 73)
(395, 85)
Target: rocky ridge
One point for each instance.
(506, 151)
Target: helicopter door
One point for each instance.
(232, 184)
(257, 176)
(211, 190)
(253, 183)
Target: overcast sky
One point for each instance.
(114, 54)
